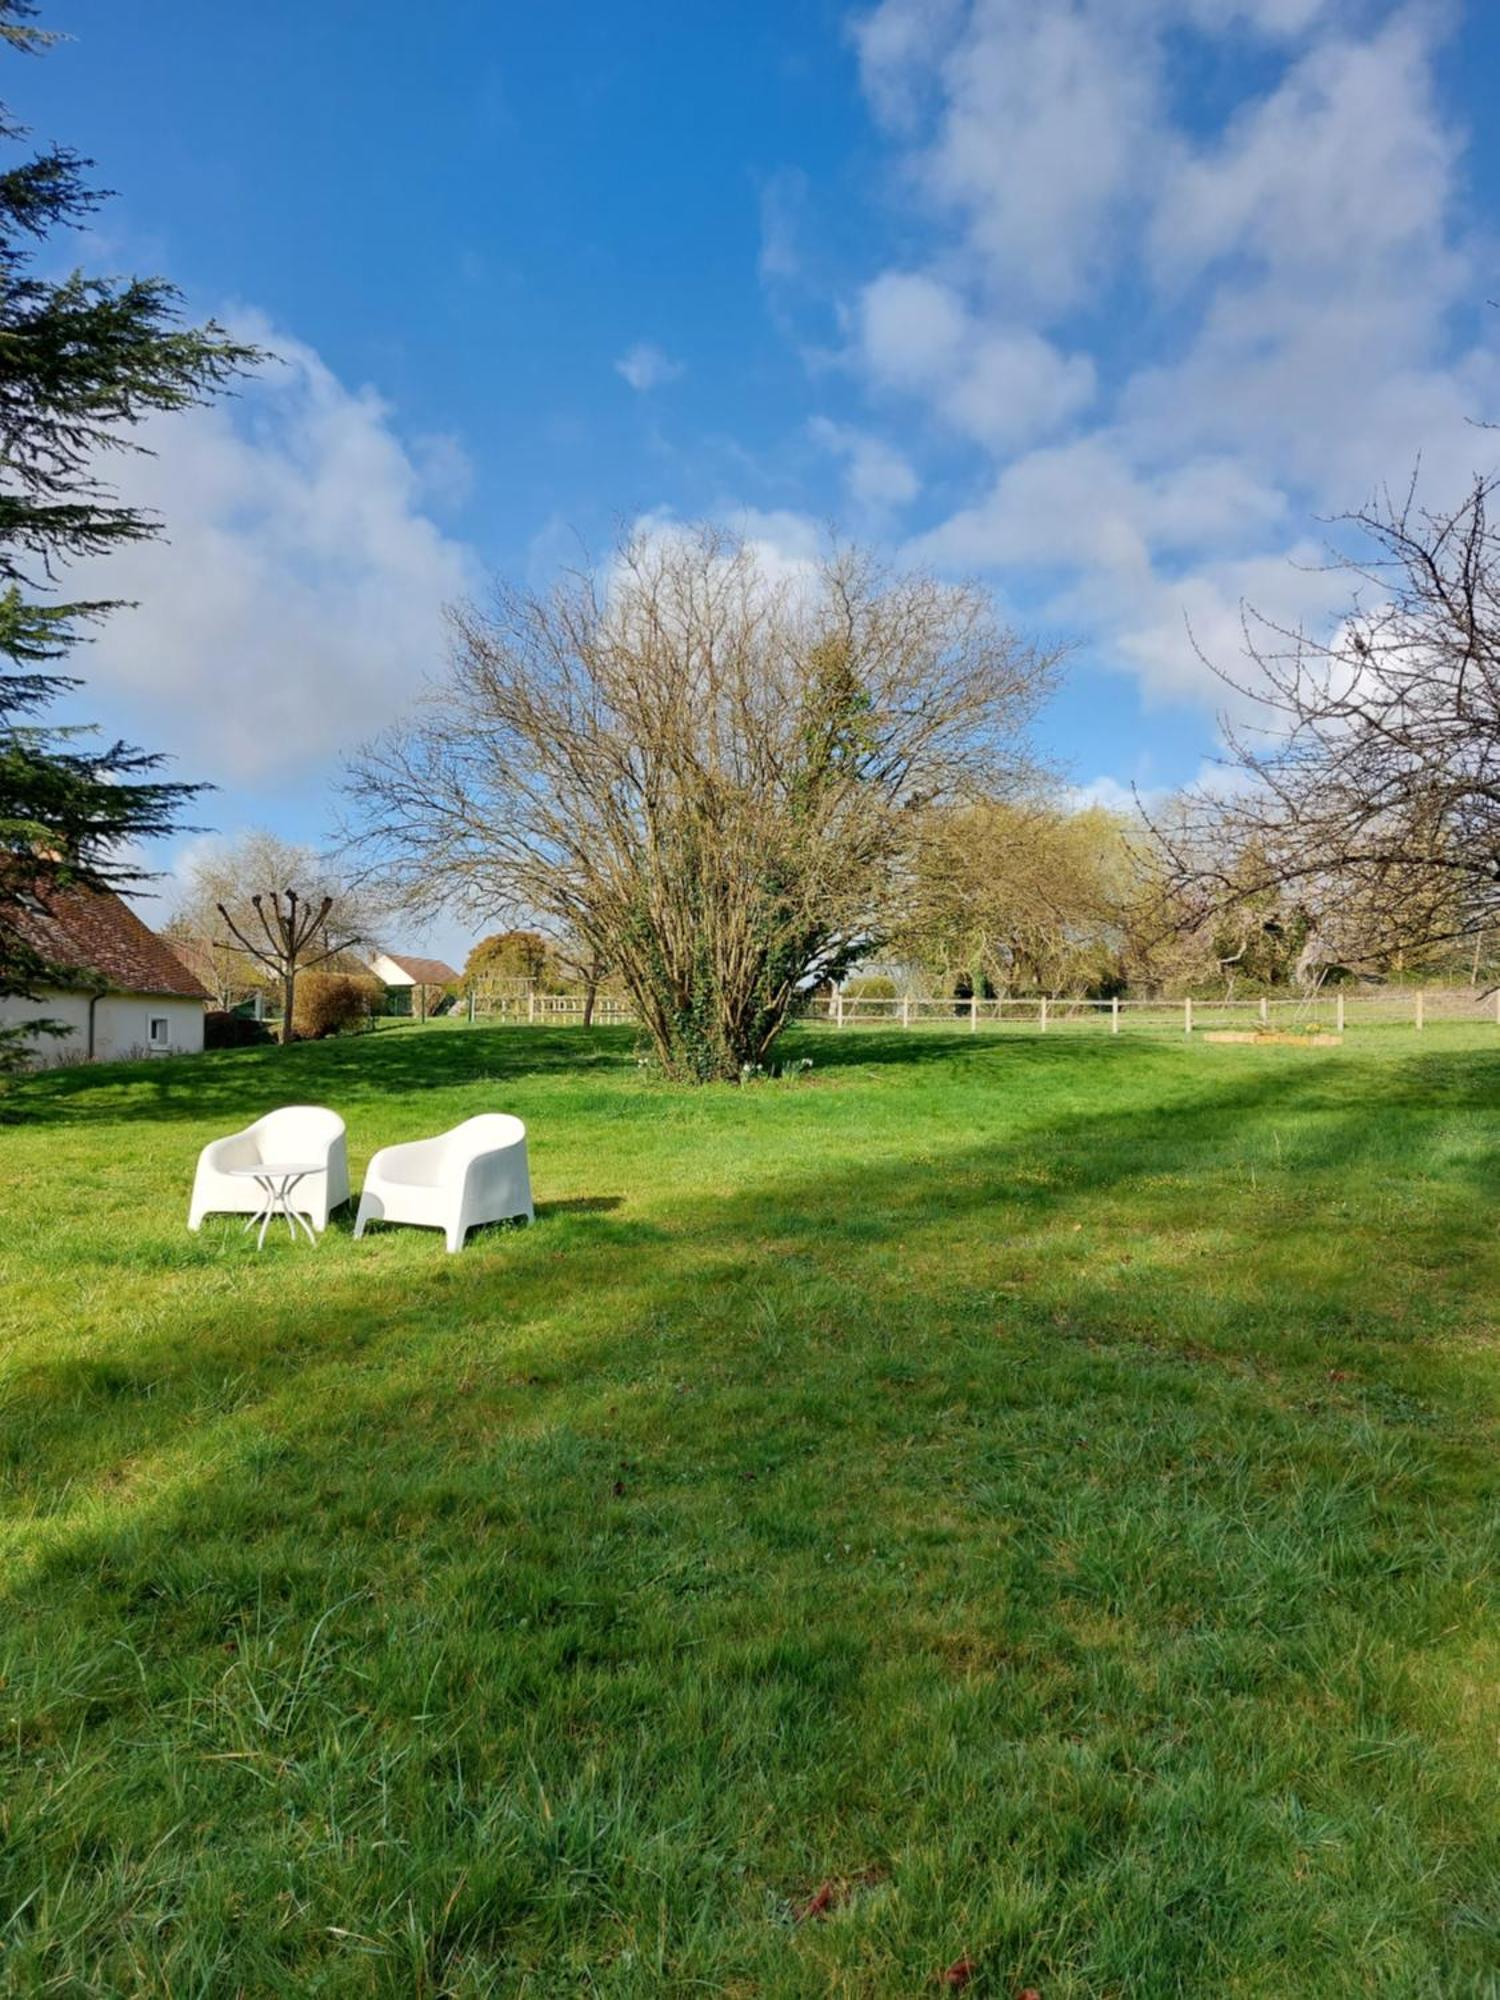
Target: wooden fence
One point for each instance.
(532, 1009)
(1335, 1010)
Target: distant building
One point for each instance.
(121, 989)
(413, 985)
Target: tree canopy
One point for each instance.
(710, 775)
(82, 361)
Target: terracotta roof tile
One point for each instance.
(93, 931)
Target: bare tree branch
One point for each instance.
(703, 775)
(1370, 794)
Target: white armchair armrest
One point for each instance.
(476, 1173)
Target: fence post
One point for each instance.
(1187, 1014)
(1044, 1013)
(530, 1004)
(1338, 1015)
(1419, 1009)
(1265, 1011)
(974, 1012)
(1114, 1014)
(838, 996)
(906, 1010)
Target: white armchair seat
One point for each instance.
(476, 1173)
(299, 1134)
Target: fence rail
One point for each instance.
(1335, 1011)
(538, 1009)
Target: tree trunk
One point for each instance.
(590, 994)
(288, 996)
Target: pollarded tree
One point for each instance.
(82, 361)
(709, 774)
(258, 911)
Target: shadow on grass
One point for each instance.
(234, 1085)
(972, 1228)
(880, 1445)
(239, 1084)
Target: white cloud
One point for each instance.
(876, 474)
(1044, 135)
(646, 366)
(1172, 339)
(912, 329)
(1000, 385)
(296, 603)
(1341, 174)
(782, 202)
(898, 44)
(788, 547)
(1083, 506)
(1105, 791)
(1016, 386)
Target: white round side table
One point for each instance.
(276, 1182)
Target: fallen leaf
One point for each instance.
(836, 1891)
(959, 1973)
(823, 1899)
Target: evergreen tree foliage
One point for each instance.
(83, 360)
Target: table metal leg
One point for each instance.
(268, 1189)
(295, 1218)
(276, 1199)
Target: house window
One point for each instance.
(159, 1035)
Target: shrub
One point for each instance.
(232, 1031)
(870, 986)
(333, 1003)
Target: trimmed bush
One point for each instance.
(233, 1031)
(334, 1003)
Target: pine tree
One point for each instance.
(82, 362)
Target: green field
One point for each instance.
(1039, 1493)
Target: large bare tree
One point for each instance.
(1366, 795)
(707, 773)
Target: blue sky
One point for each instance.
(1104, 301)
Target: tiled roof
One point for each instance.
(424, 971)
(93, 932)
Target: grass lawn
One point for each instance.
(1038, 1493)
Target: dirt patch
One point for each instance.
(1286, 1037)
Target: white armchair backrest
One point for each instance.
(297, 1132)
(485, 1134)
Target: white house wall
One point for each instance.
(122, 1025)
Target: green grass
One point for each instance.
(1045, 1488)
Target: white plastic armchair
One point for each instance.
(476, 1173)
(303, 1134)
